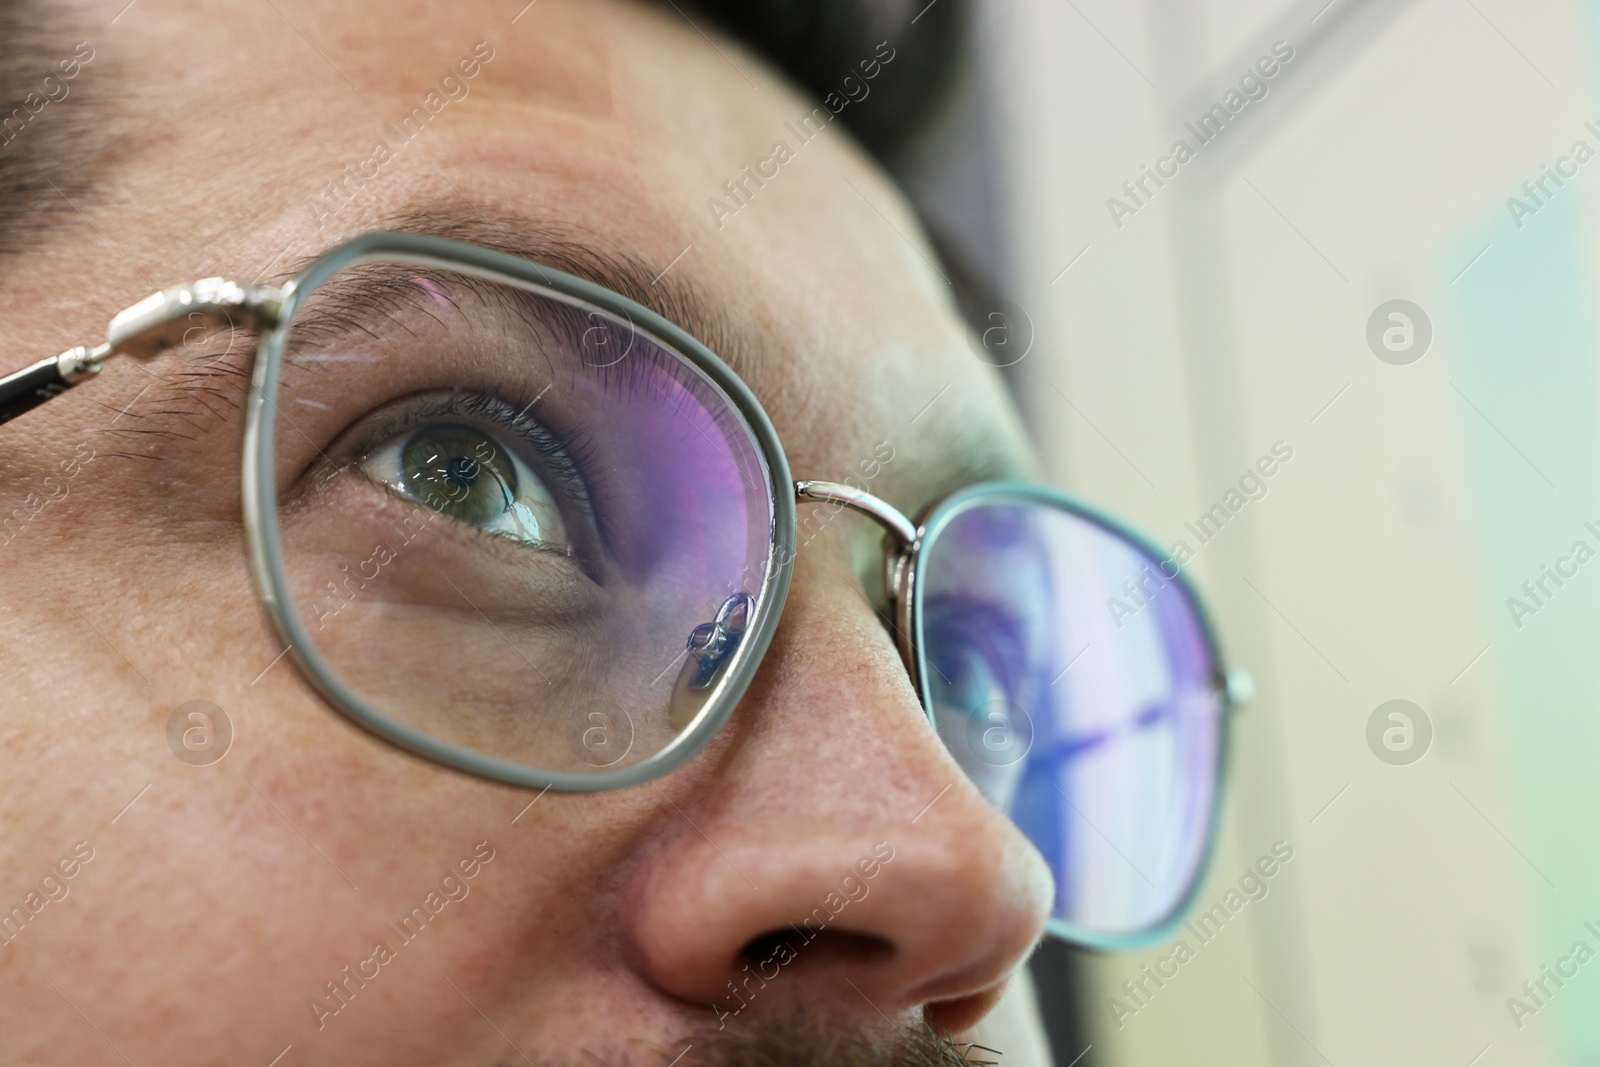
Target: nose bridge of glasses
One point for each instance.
(885, 513)
(896, 564)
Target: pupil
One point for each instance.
(462, 471)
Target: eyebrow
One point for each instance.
(195, 390)
(626, 273)
(968, 452)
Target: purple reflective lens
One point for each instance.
(512, 523)
(1076, 683)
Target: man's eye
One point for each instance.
(463, 473)
(977, 654)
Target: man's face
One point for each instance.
(317, 891)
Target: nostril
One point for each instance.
(792, 945)
(961, 1014)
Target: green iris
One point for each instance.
(460, 472)
(466, 474)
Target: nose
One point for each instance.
(828, 854)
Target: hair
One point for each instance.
(50, 156)
(818, 43)
(798, 1041)
(901, 122)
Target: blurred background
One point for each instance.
(1445, 450)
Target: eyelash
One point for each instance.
(565, 459)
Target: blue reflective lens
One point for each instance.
(1076, 682)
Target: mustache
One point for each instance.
(797, 1042)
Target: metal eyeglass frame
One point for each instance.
(162, 320)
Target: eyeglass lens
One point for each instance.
(512, 522)
(1084, 707)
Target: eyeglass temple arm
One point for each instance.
(151, 326)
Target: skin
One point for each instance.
(219, 903)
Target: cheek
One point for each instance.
(257, 879)
(239, 878)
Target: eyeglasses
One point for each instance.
(557, 554)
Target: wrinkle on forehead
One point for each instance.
(607, 126)
(556, 55)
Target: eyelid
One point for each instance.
(991, 628)
(364, 301)
(560, 465)
(554, 454)
(388, 468)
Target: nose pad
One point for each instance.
(711, 648)
(897, 564)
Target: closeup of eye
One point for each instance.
(976, 655)
(462, 456)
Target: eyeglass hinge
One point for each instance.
(165, 319)
(158, 322)
(1238, 687)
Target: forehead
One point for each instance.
(602, 133)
